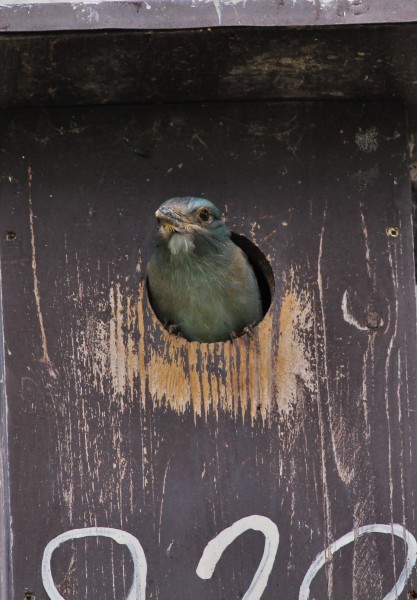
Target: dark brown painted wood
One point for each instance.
(209, 65)
(113, 422)
(212, 65)
(4, 472)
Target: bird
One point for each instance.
(201, 284)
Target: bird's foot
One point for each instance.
(233, 336)
(173, 329)
(248, 330)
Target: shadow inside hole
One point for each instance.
(261, 268)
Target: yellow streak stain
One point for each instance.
(165, 374)
(294, 360)
(249, 376)
(194, 378)
(267, 342)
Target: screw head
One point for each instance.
(393, 231)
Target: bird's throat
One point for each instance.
(181, 243)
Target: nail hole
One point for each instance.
(10, 236)
(393, 232)
(29, 596)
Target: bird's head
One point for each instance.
(190, 224)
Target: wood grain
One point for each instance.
(113, 422)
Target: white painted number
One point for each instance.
(397, 530)
(138, 589)
(215, 548)
(214, 551)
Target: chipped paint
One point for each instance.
(325, 3)
(35, 15)
(295, 365)
(30, 3)
(367, 140)
(221, 4)
(248, 376)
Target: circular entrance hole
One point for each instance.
(164, 306)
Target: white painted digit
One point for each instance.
(214, 551)
(138, 588)
(215, 548)
(326, 555)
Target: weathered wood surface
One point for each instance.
(124, 67)
(32, 15)
(113, 422)
(121, 67)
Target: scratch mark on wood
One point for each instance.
(367, 248)
(347, 315)
(394, 275)
(162, 501)
(117, 345)
(45, 355)
(322, 402)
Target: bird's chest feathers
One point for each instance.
(190, 272)
(180, 244)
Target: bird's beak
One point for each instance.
(166, 219)
(170, 220)
(162, 213)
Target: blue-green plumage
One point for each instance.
(200, 282)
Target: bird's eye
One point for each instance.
(204, 215)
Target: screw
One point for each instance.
(393, 232)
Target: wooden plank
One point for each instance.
(22, 15)
(237, 64)
(122, 67)
(115, 423)
(4, 472)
